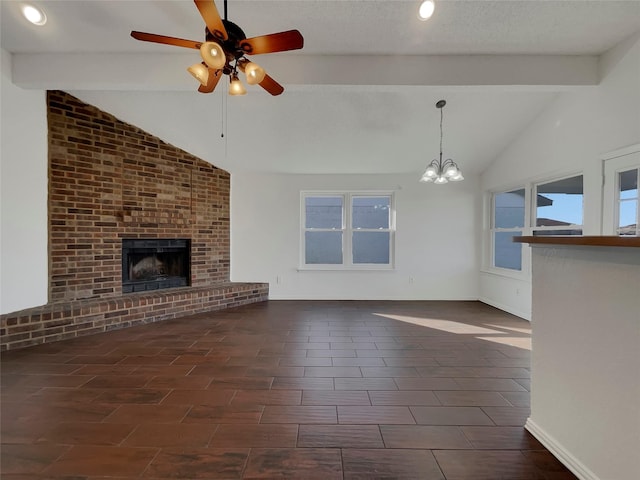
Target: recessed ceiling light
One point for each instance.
(34, 15)
(426, 10)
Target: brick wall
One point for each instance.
(64, 320)
(109, 180)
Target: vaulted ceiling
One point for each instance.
(359, 97)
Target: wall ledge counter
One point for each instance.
(585, 358)
(587, 241)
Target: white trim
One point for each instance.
(347, 231)
(534, 205)
(508, 273)
(610, 206)
(578, 468)
(621, 152)
(501, 306)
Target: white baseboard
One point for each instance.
(551, 444)
(518, 313)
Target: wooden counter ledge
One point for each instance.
(591, 241)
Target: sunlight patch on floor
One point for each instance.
(520, 342)
(443, 325)
(525, 330)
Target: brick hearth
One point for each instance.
(109, 180)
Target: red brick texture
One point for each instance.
(64, 320)
(109, 180)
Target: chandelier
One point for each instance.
(438, 171)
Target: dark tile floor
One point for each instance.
(299, 390)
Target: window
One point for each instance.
(508, 221)
(347, 230)
(558, 207)
(628, 203)
(621, 202)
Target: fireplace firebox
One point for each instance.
(152, 264)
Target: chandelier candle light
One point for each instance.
(438, 171)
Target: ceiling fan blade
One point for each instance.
(214, 78)
(178, 42)
(275, 42)
(211, 17)
(271, 86)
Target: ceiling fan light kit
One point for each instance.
(254, 72)
(199, 72)
(236, 87)
(213, 55)
(224, 51)
(438, 171)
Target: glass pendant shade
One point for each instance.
(213, 55)
(440, 180)
(236, 87)
(199, 72)
(426, 10)
(451, 171)
(254, 72)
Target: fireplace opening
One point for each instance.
(152, 264)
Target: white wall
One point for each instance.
(23, 195)
(437, 255)
(568, 137)
(585, 391)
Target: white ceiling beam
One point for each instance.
(80, 71)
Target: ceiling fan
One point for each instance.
(224, 51)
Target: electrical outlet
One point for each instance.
(278, 280)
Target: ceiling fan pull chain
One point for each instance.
(222, 115)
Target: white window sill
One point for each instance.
(339, 268)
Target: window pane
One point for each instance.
(371, 212)
(323, 248)
(371, 247)
(559, 203)
(506, 253)
(509, 209)
(628, 217)
(629, 184)
(323, 212)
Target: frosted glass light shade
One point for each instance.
(254, 72)
(213, 55)
(451, 171)
(236, 87)
(199, 72)
(431, 172)
(440, 180)
(426, 10)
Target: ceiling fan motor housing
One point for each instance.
(231, 45)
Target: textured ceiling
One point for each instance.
(359, 97)
(339, 27)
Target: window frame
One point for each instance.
(493, 230)
(618, 202)
(547, 230)
(347, 230)
(614, 163)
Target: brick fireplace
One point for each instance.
(109, 183)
